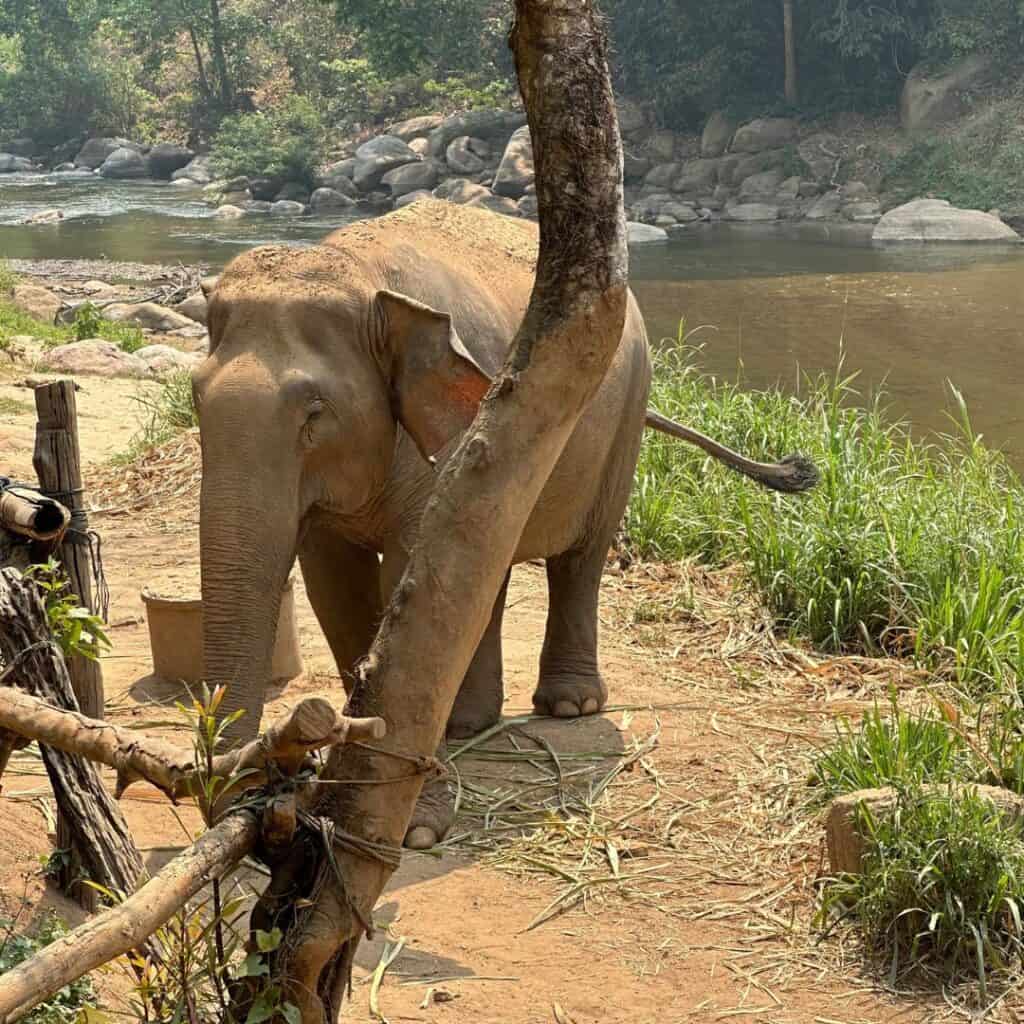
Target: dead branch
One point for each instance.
(311, 725)
(127, 925)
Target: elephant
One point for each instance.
(338, 377)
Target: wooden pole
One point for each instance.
(58, 467)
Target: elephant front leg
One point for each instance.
(570, 683)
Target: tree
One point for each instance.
(792, 94)
(483, 497)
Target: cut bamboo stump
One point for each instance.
(58, 466)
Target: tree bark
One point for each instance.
(488, 488)
(792, 90)
(220, 61)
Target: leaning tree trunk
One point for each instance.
(792, 91)
(488, 488)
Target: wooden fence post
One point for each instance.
(58, 466)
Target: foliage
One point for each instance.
(76, 629)
(8, 279)
(66, 1006)
(165, 414)
(940, 888)
(903, 547)
(89, 323)
(286, 144)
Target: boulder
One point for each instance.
(95, 151)
(766, 183)
(642, 234)
(736, 167)
(228, 212)
(36, 301)
(11, 164)
(662, 146)
(696, 176)
(935, 220)
(516, 171)
(377, 157)
(325, 199)
(527, 207)
(634, 167)
(194, 307)
(929, 100)
(163, 360)
(820, 152)
(493, 126)
(265, 189)
(293, 191)
(415, 177)
(751, 213)
(825, 207)
(416, 127)
(866, 212)
(45, 217)
(497, 204)
(458, 190)
(339, 177)
(855, 190)
(790, 188)
(199, 170)
(764, 133)
(94, 356)
(148, 315)
(411, 197)
(460, 156)
(681, 213)
(65, 168)
(256, 206)
(718, 133)
(286, 208)
(809, 189)
(662, 175)
(632, 118)
(240, 183)
(19, 147)
(235, 198)
(421, 147)
(166, 157)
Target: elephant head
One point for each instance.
(312, 365)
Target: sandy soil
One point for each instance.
(683, 892)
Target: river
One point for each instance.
(775, 301)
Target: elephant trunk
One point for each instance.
(247, 543)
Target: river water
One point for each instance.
(774, 301)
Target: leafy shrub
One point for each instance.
(76, 629)
(286, 143)
(940, 889)
(89, 323)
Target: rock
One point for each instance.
(820, 152)
(94, 356)
(324, 199)
(36, 301)
(377, 157)
(766, 183)
(257, 206)
(265, 189)
(634, 167)
(460, 156)
(764, 133)
(238, 184)
(642, 234)
(493, 126)
(752, 212)
(411, 197)
(662, 175)
(165, 158)
(286, 208)
(868, 212)
(11, 164)
(528, 207)
(65, 168)
(421, 147)
(736, 167)
(19, 147)
(718, 133)
(497, 204)
(458, 190)
(846, 844)
(929, 100)
(45, 217)
(293, 191)
(199, 170)
(95, 151)
(632, 118)
(194, 307)
(516, 171)
(854, 190)
(935, 220)
(339, 176)
(696, 175)
(228, 212)
(790, 188)
(147, 315)
(416, 127)
(825, 207)
(235, 199)
(809, 189)
(681, 213)
(163, 360)
(411, 178)
(662, 146)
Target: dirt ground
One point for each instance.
(667, 869)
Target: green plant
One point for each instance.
(940, 887)
(66, 1006)
(76, 629)
(8, 279)
(165, 414)
(90, 323)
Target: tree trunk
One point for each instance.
(488, 488)
(220, 61)
(792, 91)
(204, 84)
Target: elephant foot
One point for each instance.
(569, 695)
(467, 722)
(432, 818)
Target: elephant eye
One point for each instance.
(313, 413)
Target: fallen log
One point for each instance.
(126, 926)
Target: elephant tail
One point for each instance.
(793, 474)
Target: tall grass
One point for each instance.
(904, 547)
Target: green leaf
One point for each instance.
(267, 942)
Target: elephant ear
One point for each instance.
(436, 384)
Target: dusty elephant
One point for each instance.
(336, 374)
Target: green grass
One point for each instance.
(940, 890)
(164, 415)
(903, 548)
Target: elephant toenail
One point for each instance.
(565, 709)
(590, 706)
(420, 838)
